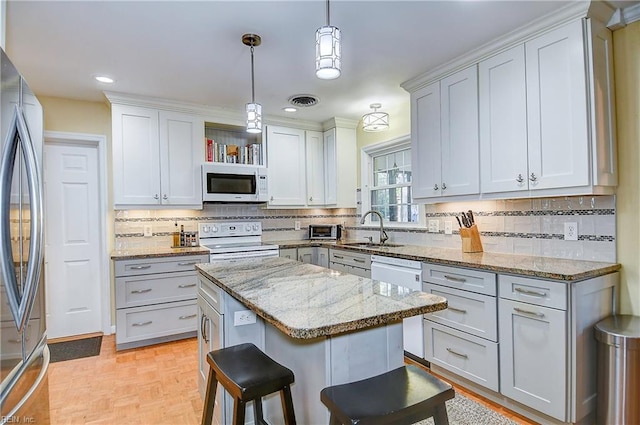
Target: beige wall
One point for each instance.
(627, 72)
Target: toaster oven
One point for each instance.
(325, 231)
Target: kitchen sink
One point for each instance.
(371, 245)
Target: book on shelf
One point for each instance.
(209, 144)
(233, 154)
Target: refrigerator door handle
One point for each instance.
(18, 136)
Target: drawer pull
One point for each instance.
(139, 267)
(142, 323)
(188, 285)
(455, 353)
(459, 310)
(141, 291)
(190, 316)
(188, 263)
(534, 293)
(532, 313)
(455, 279)
(358, 260)
(338, 256)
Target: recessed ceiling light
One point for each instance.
(104, 79)
(289, 109)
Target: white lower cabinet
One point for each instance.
(309, 254)
(155, 300)
(533, 356)
(350, 262)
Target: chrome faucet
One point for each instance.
(383, 234)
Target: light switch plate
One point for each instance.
(147, 231)
(434, 226)
(448, 227)
(296, 225)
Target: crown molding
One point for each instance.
(623, 17)
(340, 122)
(544, 24)
(209, 113)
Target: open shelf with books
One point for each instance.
(232, 145)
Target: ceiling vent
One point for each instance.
(303, 100)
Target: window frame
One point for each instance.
(367, 154)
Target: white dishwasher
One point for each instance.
(407, 273)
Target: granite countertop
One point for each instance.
(306, 301)
(155, 252)
(525, 265)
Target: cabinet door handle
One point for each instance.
(534, 293)
(164, 197)
(190, 316)
(358, 260)
(311, 199)
(141, 291)
(531, 313)
(444, 186)
(300, 258)
(435, 187)
(455, 353)
(519, 179)
(338, 256)
(139, 267)
(533, 177)
(459, 310)
(455, 279)
(203, 328)
(187, 285)
(188, 263)
(142, 323)
(156, 197)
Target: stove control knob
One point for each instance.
(214, 229)
(248, 227)
(256, 226)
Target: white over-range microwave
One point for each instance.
(233, 183)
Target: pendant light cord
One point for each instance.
(328, 22)
(253, 91)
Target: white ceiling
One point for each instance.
(192, 51)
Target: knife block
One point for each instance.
(470, 239)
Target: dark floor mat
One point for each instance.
(69, 350)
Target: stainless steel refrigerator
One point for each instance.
(24, 355)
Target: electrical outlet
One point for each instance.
(296, 224)
(434, 226)
(244, 317)
(571, 231)
(448, 228)
(147, 231)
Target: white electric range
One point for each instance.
(234, 240)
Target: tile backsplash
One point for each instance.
(532, 226)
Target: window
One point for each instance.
(386, 183)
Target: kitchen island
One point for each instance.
(328, 327)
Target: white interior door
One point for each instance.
(72, 256)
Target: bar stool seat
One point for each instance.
(401, 396)
(247, 374)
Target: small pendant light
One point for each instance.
(254, 110)
(328, 51)
(375, 121)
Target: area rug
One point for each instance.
(464, 411)
(69, 350)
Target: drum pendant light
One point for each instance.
(254, 110)
(375, 121)
(328, 54)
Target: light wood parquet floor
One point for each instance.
(149, 385)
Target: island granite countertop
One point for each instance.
(524, 265)
(306, 301)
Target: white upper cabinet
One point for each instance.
(315, 164)
(546, 114)
(304, 167)
(503, 122)
(444, 142)
(546, 125)
(286, 166)
(156, 158)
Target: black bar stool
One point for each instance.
(247, 374)
(401, 396)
